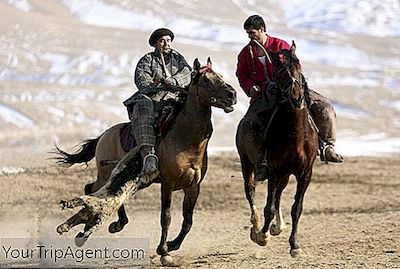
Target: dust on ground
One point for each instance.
(351, 216)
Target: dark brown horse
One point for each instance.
(182, 156)
(291, 145)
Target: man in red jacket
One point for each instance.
(255, 74)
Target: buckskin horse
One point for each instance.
(291, 145)
(182, 156)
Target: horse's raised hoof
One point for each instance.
(258, 237)
(297, 252)
(115, 227)
(274, 230)
(166, 260)
(80, 239)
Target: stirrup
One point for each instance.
(150, 154)
(147, 177)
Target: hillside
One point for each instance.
(67, 65)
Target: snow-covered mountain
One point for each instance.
(66, 65)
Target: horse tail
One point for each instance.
(86, 153)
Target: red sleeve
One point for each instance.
(282, 44)
(243, 72)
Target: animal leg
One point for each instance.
(118, 225)
(72, 203)
(71, 222)
(90, 227)
(280, 225)
(250, 189)
(162, 249)
(123, 220)
(269, 212)
(189, 202)
(302, 184)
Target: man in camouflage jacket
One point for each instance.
(155, 73)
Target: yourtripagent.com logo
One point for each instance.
(63, 253)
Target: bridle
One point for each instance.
(201, 72)
(289, 89)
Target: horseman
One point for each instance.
(156, 75)
(254, 72)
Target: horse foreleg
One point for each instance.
(189, 202)
(302, 184)
(162, 249)
(250, 189)
(280, 225)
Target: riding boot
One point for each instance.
(143, 121)
(328, 154)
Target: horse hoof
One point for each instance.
(296, 252)
(115, 227)
(167, 260)
(253, 234)
(274, 230)
(80, 239)
(258, 237)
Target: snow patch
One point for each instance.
(12, 116)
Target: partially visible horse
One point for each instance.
(291, 145)
(182, 154)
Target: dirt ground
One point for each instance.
(351, 216)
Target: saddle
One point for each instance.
(166, 118)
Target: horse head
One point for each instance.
(210, 88)
(289, 81)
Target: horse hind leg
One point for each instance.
(280, 224)
(189, 202)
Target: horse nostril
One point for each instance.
(231, 95)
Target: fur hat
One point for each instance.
(157, 34)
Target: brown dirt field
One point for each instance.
(351, 216)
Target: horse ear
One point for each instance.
(209, 63)
(196, 64)
(293, 48)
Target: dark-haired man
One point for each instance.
(255, 74)
(155, 72)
